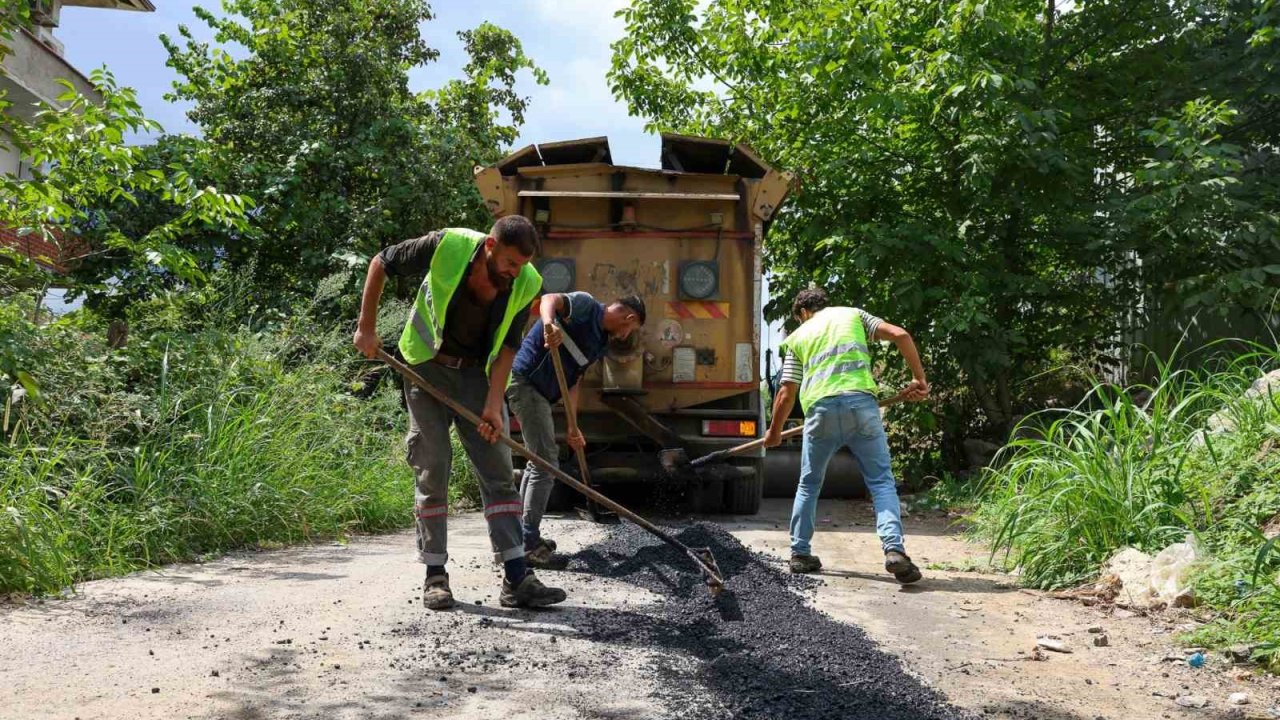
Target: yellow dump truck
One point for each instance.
(687, 239)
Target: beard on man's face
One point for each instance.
(499, 281)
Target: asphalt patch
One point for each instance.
(755, 651)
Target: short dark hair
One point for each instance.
(811, 299)
(516, 231)
(634, 304)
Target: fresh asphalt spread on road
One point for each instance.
(755, 651)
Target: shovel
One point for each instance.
(701, 556)
(675, 461)
(592, 512)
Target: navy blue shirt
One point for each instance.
(583, 324)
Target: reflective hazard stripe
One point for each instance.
(422, 327)
(840, 349)
(430, 511)
(837, 369)
(697, 310)
(508, 508)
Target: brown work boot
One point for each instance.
(900, 565)
(801, 564)
(436, 594)
(529, 593)
(542, 555)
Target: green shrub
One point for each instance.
(231, 449)
(202, 434)
(1142, 467)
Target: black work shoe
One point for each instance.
(901, 567)
(436, 594)
(542, 555)
(805, 563)
(530, 593)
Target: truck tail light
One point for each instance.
(729, 428)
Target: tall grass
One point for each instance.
(1143, 467)
(1130, 467)
(234, 448)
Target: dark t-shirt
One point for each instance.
(468, 323)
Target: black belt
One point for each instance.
(454, 363)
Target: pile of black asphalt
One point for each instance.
(758, 650)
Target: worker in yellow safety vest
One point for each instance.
(462, 335)
(828, 366)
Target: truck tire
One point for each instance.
(743, 495)
(707, 497)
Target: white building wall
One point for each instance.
(10, 162)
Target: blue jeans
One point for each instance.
(851, 421)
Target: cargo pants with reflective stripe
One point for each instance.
(430, 454)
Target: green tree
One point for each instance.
(313, 116)
(108, 277)
(80, 163)
(1005, 180)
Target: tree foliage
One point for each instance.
(307, 107)
(1004, 179)
(79, 163)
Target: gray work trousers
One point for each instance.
(539, 431)
(430, 454)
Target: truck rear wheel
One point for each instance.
(742, 496)
(707, 496)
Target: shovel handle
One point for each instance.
(727, 452)
(717, 455)
(713, 577)
(570, 412)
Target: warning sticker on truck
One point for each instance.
(670, 334)
(684, 364)
(742, 362)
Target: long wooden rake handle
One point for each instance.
(705, 563)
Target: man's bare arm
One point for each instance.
(919, 387)
(551, 304)
(366, 336)
(783, 401)
(577, 442)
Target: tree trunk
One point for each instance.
(986, 399)
(1005, 401)
(1050, 13)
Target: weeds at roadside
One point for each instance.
(1141, 467)
(190, 441)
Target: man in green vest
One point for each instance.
(829, 366)
(462, 336)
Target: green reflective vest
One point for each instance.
(424, 333)
(832, 348)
